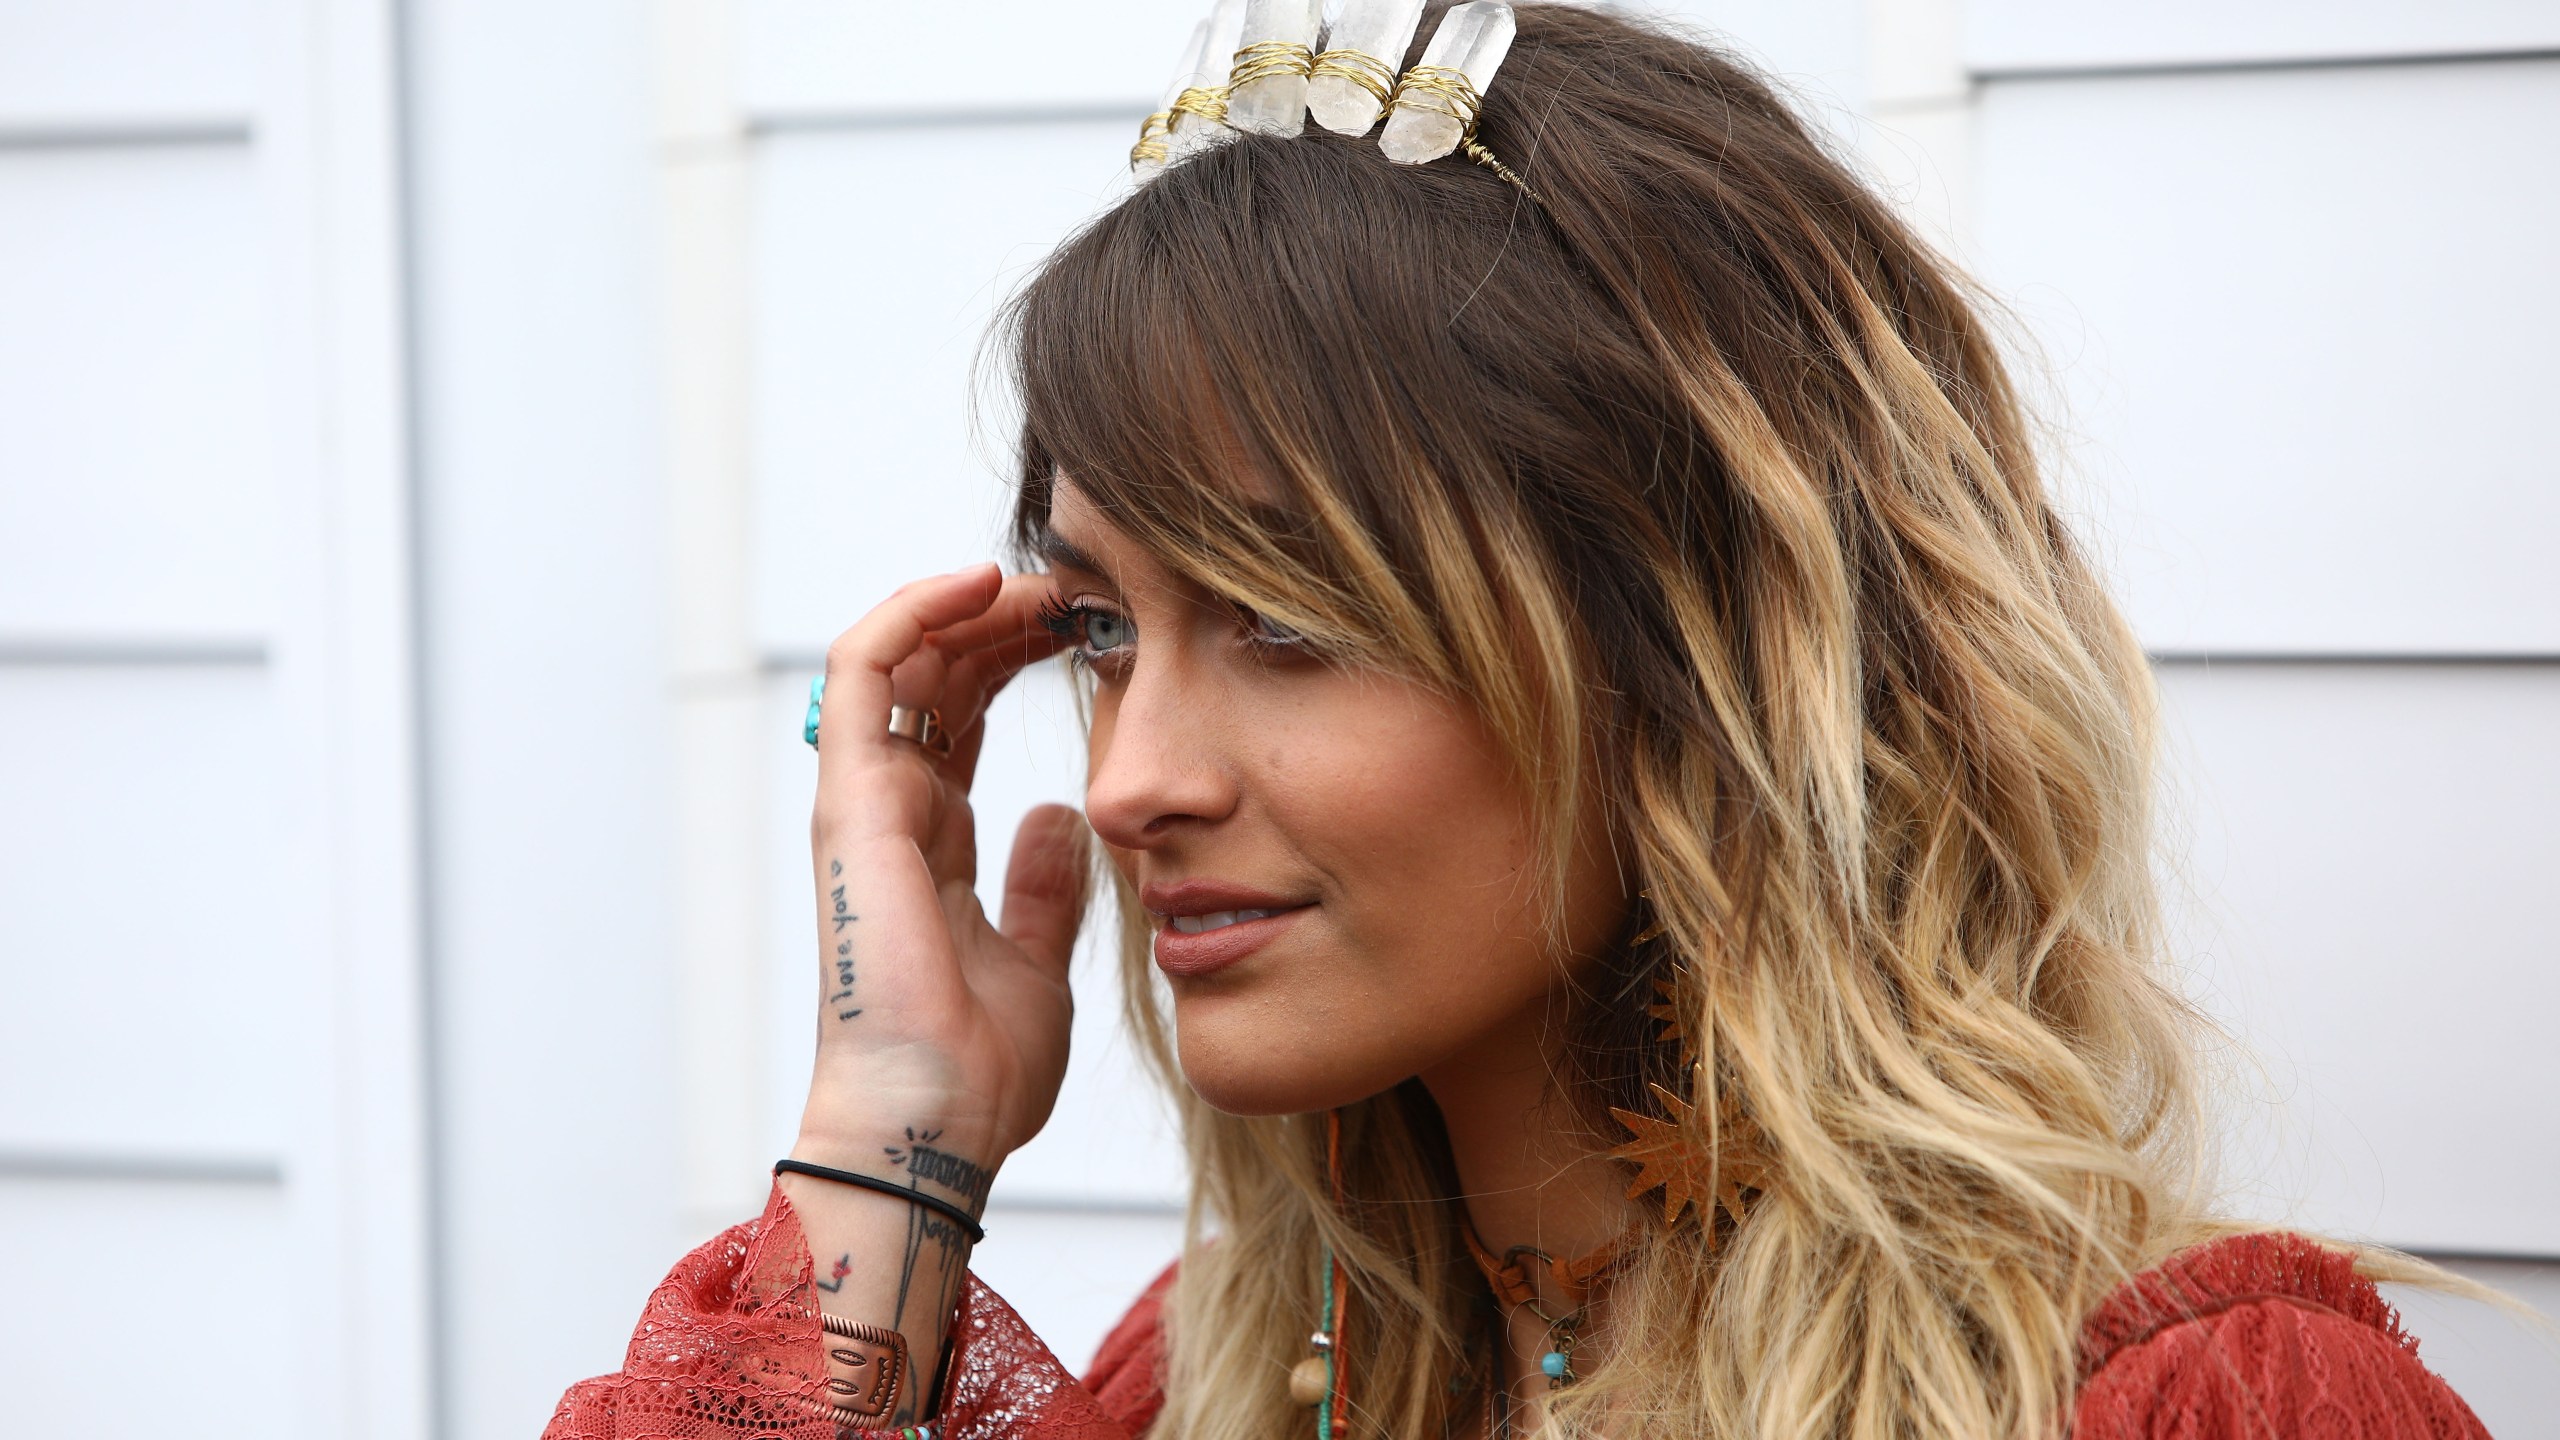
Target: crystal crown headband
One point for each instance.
(1274, 76)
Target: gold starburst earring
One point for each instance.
(1695, 1164)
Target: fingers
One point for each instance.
(863, 661)
(949, 643)
(982, 655)
(1044, 886)
(988, 650)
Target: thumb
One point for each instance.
(1044, 885)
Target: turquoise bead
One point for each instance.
(1552, 1364)
(809, 727)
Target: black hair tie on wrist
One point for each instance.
(944, 1208)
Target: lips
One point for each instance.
(1207, 925)
(1217, 920)
(1195, 953)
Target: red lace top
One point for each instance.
(2268, 1337)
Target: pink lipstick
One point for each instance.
(1204, 926)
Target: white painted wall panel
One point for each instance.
(2367, 899)
(1071, 1274)
(1816, 49)
(2047, 34)
(2301, 320)
(879, 257)
(543, 579)
(822, 55)
(220, 1252)
(1111, 1140)
(136, 489)
(128, 62)
(2505, 1370)
(803, 57)
(151, 1009)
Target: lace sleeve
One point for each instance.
(729, 1348)
(2260, 1336)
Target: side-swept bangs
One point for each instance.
(1299, 376)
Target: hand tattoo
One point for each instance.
(842, 916)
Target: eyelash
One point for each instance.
(1066, 619)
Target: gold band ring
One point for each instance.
(923, 726)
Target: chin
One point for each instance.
(1245, 1069)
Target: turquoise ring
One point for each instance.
(809, 727)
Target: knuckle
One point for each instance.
(845, 651)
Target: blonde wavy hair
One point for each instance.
(1701, 478)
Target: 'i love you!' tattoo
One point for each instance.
(842, 918)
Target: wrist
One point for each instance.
(948, 1163)
(857, 1113)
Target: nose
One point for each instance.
(1155, 768)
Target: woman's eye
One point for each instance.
(1104, 631)
(1269, 632)
(1090, 634)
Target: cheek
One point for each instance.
(1429, 936)
(1416, 819)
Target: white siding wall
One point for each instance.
(546, 688)
(2284, 265)
(210, 1095)
(697, 288)
(2291, 308)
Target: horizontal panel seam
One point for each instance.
(785, 121)
(2146, 69)
(2352, 658)
(18, 651)
(140, 1165)
(1059, 1204)
(22, 135)
(795, 661)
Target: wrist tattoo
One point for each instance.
(842, 1268)
(934, 1244)
(958, 1174)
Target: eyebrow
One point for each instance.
(1056, 550)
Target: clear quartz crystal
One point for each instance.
(1225, 30)
(1185, 75)
(1472, 39)
(1382, 28)
(1217, 52)
(1275, 104)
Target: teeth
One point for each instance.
(1216, 920)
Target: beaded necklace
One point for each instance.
(1573, 1279)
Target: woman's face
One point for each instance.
(1372, 824)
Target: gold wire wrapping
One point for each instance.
(1360, 68)
(1152, 131)
(1209, 102)
(1449, 92)
(1444, 91)
(1267, 59)
(1437, 88)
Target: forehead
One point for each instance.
(1082, 538)
(1080, 532)
(1078, 536)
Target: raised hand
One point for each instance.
(929, 1015)
(942, 1038)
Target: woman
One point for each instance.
(1630, 809)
